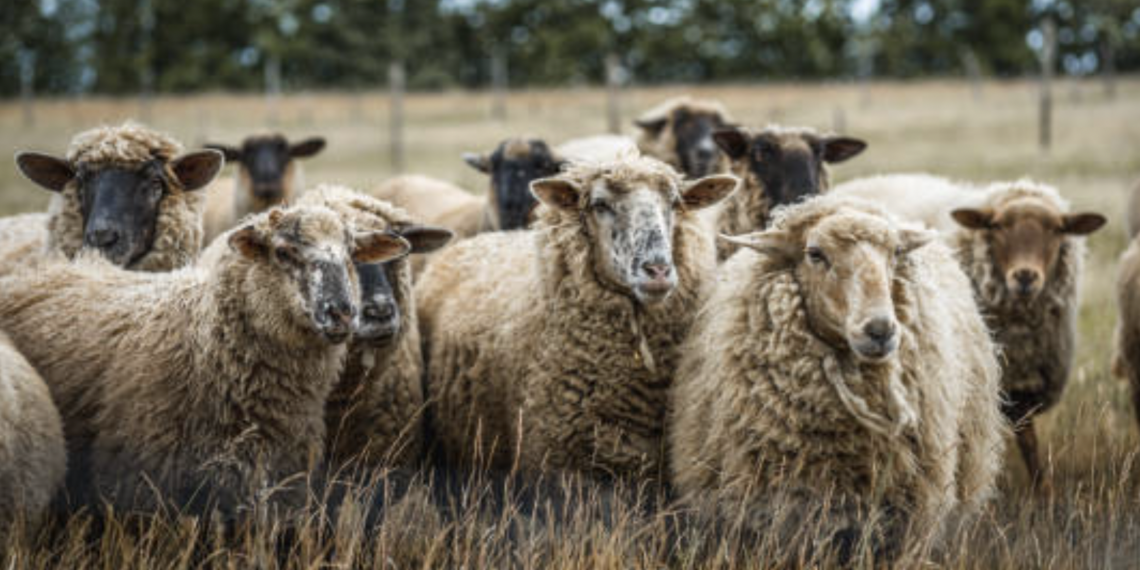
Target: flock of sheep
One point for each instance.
(698, 310)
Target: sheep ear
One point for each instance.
(709, 190)
(426, 239)
(911, 239)
(773, 243)
(379, 247)
(45, 170)
(478, 161)
(732, 141)
(651, 126)
(839, 149)
(556, 193)
(197, 169)
(247, 241)
(307, 147)
(232, 153)
(972, 219)
(1083, 224)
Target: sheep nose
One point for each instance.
(341, 312)
(656, 271)
(1025, 278)
(104, 237)
(880, 330)
(379, 310)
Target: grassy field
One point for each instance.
(1090, 519)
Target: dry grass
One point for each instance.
(1090, 519)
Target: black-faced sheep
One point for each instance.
(375, 413)
(268, 174)
(779, 166)
(206, 385)
(1023, 250)
(680, 131)
(840, 365)
(561, 341)
(126, 191)
(32, 455)
(512, 166)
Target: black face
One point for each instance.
(696, 148)
(512, 167)
(120, 208)
(380, 313)
(265, 160)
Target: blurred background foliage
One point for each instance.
(175, 46)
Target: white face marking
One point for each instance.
(635, 235)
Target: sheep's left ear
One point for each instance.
(839, 149)
(478, 161)
(709, 190)
(973, 219)
(1083, 224)
(556, 192)
(248, 242)
(651, 126)
(773, 243)
(307, 147)
(379, 247)
(426, 239)
(911, 239)
(197, 169)
(732, 141)
(45, 170)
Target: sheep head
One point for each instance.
(628, 210)
(266, 163)
(512, 166)
(1025, 236)
(303, 259)
(846, 261)
(787, 164)
(690, 126)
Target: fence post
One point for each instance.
(1045, 115)
(613, 93)
(146, 80)
(272, 87)
(499, 84)
(396, 119)
(1108, 58)
(26, 59)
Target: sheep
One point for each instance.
(679, 132)
(200, 385)
(779, 166)
(1133, 213)
(1126, 357)
(374, 413)
(436, 202)
(568, 333)
(127, 191)
(268, 174)
(512, 166)
(840, 360)
(32, 456)
(1023, 250)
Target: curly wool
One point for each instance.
(375, 412)
(763, 407)
(178, 228)
(523, 338)
(32, 455)
(663, 146)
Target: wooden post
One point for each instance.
(396, 119)
(272, 87)
(26, 59)
(1108, 67)
(499, 85)
(613, 92)
(973, 71)
(1048, 54)
(146, 80)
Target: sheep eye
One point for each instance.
(815, 255)
(289, 254)
(602, 208)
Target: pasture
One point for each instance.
(1090, 517)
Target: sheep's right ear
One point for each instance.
(307, 147)
(197, 169)
(732, 141)
(651, 126)
(709, 190)
(426, 239)
(773, 243)
(972, 219)
(232, 153)
(379, 247)
(556, 192)
(247, 241)
(478, 161)
(45, 170)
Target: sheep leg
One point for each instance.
(1027, 443)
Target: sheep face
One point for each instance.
(692, 131)
(380, 314)
(267, 166)
(120, 203)
(630, 224)
(1025, 237)
(304, 257)
(512, 167)
(788, 165)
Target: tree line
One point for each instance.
(128, 46)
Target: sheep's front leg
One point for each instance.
(1027, 443)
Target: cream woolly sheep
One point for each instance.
(840, 358)
(679, 132)
(126, 191)
(268, 174)
(1126, 357)
(1132, 222)
(206, 383)
(375, 412)
(779, 166)
(1023, 250)
(32, 456)
(567, 334)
